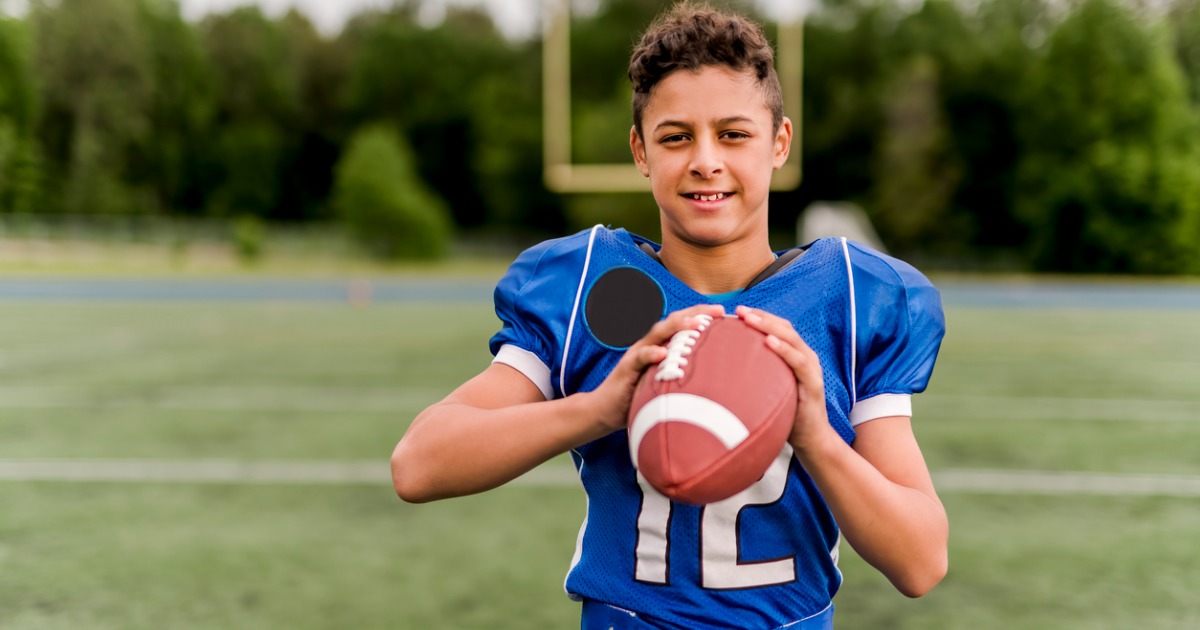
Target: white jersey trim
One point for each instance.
(582, 530)
(587, 262)
(881, 406)
(529, 364)
(853, 322)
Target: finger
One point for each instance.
(770, 324)
(647, 356)
(805, 363)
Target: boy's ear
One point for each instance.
(638, 147)
(783, 142)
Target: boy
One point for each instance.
(583, 317)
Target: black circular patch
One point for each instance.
(622, 305)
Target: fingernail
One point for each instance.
(751, 317)
(773, 341)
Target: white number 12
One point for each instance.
(719, 565)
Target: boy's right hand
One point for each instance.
(611, 399)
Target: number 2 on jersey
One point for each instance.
(719, 566)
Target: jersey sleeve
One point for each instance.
(533, 301)
(899, 326)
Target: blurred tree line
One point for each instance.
(1032, 134)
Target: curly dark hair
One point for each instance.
(692, 36)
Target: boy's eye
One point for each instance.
(675, 137)
(735, 135)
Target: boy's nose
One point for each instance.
(706, 160)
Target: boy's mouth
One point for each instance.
(707, 197)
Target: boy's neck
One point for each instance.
(716, 270)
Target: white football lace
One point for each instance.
(678, 349)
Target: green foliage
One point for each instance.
(844, 80)
(18, 101)
(912, 114)
(438, 118)
(915, 172)
(250, 60)
(251, 156)
(507, 160)
(97, 100)
(380, 197)
(322, 68)
(19, 169)
(1184, 22)
(982, 107)
(1109, 177)
(180, 112)
(966, 154)
(475, 119)
(257, 111)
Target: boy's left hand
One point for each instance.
(811, 425)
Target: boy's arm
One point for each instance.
(497, 426)
(912, 550)
(879, 491)
(487, 432)
(882, 497)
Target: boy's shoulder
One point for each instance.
(871, 265)
(563, 257)
(880, 283)
(576, 244)
(572, 250)
(884, 287)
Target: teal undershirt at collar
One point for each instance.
(725, 297)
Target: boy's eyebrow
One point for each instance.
(728, 120)
(672, 123)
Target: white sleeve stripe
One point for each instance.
(853, 321)
(881, 406)
(587, 261)
(529, 364)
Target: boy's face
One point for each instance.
(709, 149)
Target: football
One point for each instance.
(711, 417)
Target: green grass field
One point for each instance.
(1052, 391)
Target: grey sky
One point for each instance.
(515, 17)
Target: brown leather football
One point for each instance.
(711, 417)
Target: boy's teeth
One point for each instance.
(708, 197)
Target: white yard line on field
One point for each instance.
(550, 475)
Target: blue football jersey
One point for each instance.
(763, 558)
